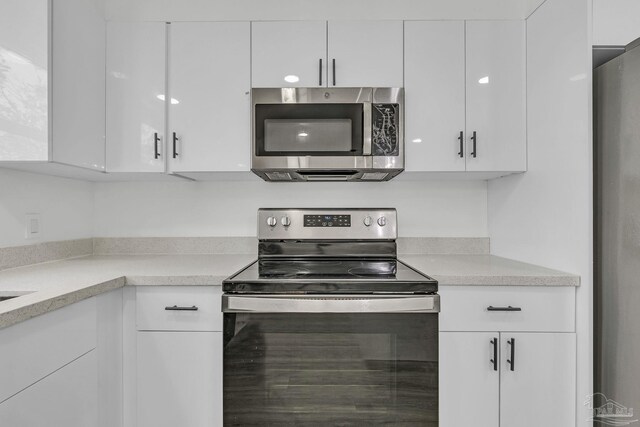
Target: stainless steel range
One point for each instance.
(328, 327)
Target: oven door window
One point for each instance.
(309, 129)
(331, 369)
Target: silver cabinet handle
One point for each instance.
(177, 308)
(331, 304)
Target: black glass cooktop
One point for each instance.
(320, 269)
(298, 275)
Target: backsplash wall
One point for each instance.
(65, 207)
(228, 208)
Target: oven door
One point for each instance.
(331, 360)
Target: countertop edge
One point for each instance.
(48, 304)
(544, 281)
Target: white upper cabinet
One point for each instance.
(365, 53)
(78, 90)
(206, 90)
(209, 85)
(321, 54)
(24, 86)
(434, 79)
(465, 96)
(135, 96)
(496, 131)
(289, 54)
(52, 82)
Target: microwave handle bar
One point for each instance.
(366, 131)
(330, 304)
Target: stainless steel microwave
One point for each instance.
(327, 134)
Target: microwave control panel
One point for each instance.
(384, 132)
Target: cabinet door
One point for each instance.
(434, 78)
(468, 382)
(366, 53)
(24, 83)
(78, 97)
(135, 96)
(540, 390)
(496, 95)
(68, 397)
(289, 54)
(209, 84)
(179, 379)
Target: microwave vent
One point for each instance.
(374, 176)
(279, 176)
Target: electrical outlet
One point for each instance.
(33, 227)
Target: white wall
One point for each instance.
(545, 215)
(228, 208)
(223, 10)
(65, 206)
(615, 22)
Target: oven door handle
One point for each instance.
(331, 304)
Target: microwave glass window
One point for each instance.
(308, 135)
(309, 129)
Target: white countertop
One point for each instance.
(48, 286)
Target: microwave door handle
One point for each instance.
(331, 304)
(366, 129)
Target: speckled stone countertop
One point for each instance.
(48, 286)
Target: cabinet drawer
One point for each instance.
(158, 308)
(542, 309)
(33, 349)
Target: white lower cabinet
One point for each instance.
(179, 379)
(514, 376)
(177, 357)
(540, 390)
(68, 397)
(469, 387)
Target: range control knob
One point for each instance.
(382, 221)
(286, 221)
(272, 221)
(367, 221)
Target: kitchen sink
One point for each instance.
(4, 296)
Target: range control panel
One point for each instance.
(327, 220)
(329, 224)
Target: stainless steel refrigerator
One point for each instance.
(617, 235)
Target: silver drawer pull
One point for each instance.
(508, 308)
(176, 308)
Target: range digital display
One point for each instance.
(327, 220)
